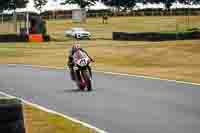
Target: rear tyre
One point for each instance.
(81, 87)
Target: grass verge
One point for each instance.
(38, 121)
(170, 59)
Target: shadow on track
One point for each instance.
(77, 91)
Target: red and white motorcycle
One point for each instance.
(82, 70)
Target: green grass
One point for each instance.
(37, 121)
(4, 52)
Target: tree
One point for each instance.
(39, 4)
(188, 2)
(126, 4)
(115, 3)
(167, 3)
(81, 3)
(196, 1)
(129, 4)
(12, 4)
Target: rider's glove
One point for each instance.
(92, 60)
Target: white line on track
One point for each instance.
(56, 113)
(149, 77)
(115, 73)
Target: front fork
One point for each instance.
(90, 70)
(79, 75)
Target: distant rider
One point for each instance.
(73, 50)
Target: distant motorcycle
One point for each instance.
(83, 74)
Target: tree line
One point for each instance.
(130, 4)
(125, 4)
(13, 4)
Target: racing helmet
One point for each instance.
(76, 47)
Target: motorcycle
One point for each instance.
(82, 71)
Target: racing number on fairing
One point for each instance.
(83, 62)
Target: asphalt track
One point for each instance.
(118, 104)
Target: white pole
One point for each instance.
(27, 23)
(2, 18)
(15, 21)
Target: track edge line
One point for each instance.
(56, 113)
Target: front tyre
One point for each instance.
(78, 80)
(81, 87)
(87, 78)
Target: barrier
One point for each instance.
(13, 38)
(154, 36)
(35, 38)
(11, 120)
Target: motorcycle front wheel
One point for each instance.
(87, 78)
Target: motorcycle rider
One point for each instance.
(74, 49)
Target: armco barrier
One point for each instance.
(154, 36)
(11, 116)
(19, 38)
(13, 38)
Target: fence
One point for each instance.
(147, 12)
(160, 12)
